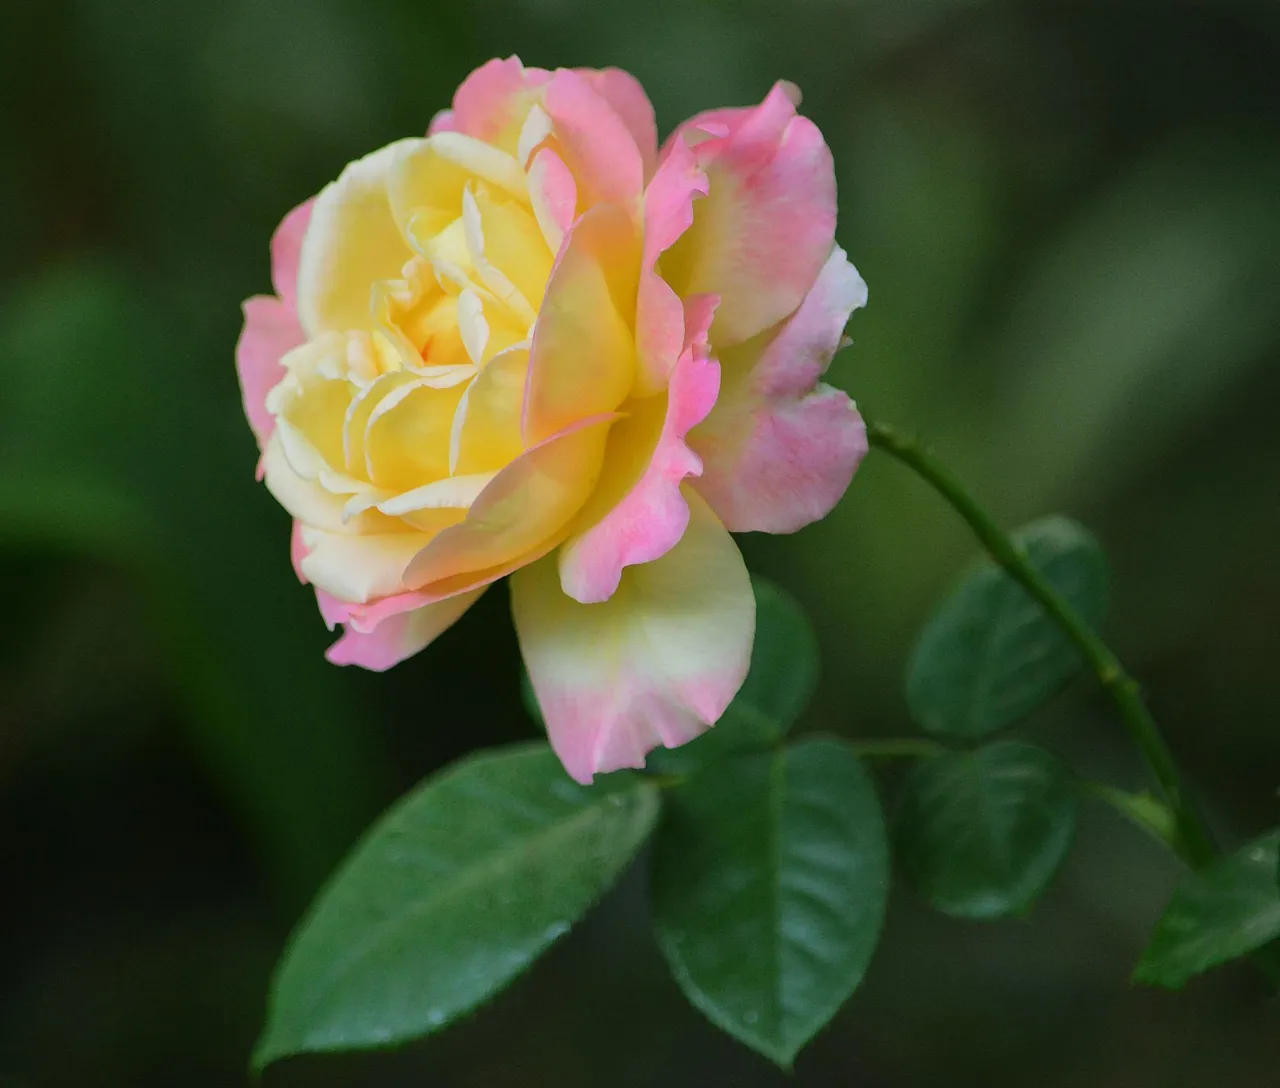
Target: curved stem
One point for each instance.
(1181, 825)
(1149, 813)
(1192, 839)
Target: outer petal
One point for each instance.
(639, 512)
(596, 143)
(286, 251)
(582, 362)
(492, 102)
(351, 242)
(668, 213)
(399, 636)
(270, 329)
(623, 92)
(656, 664)
(761, 236)
(779, 449)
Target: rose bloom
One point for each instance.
(533, 344)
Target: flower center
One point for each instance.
(414, 413)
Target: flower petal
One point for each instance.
(779, 449)
(304, 499)
(638, 512)
(655, 664)
(351, 242)
(668, 213)
(400, 636)
(358, 568)
(554, 196)
(594, 141)
(286, 251)
(270, 330)
(623, 92)
(762, 234)
(582, 362)
(492, 102)
(488, 421)
(427, 180)
(527, 504)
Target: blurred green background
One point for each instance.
(1069, 218)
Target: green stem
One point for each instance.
(1192, 839)
(1178, 822)
(1149, 813)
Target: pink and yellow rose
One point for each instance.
(532, 344)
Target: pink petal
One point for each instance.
(554, 195)
(762, 234)
(400, 636)
(642, 519)
(598, 147)
(270, 329)
(492, 102)
(623, 92)
(443, 121)
(656, 664)
(779, 448)
(286, 247)
(668, 213)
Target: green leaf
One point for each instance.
(1225, 910)
(771, 872)
(989, 654)
(452, 894)
(781, 681)
(981, 834)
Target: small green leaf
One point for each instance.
(770, 876)
(989, 654)
(1225, 910)
(452, 894)
(781, 681)
(981, 834)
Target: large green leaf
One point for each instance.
(1224, 911)
(450, 896)
(990, 654)
(771, 872)
(981, 834)
(781, 681)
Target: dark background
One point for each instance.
(1069, 218)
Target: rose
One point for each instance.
(530, 344)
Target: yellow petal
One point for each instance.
(407, 439)
(358, 568)
(583, 357)
(351, 243)
(525, 507)
(487, 428)
(430, 176)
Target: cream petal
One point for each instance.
(351, 243)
